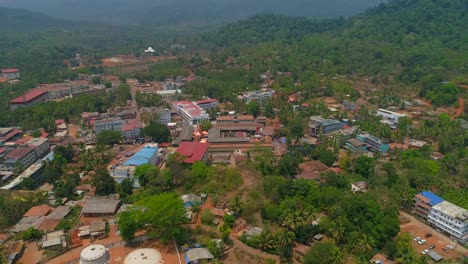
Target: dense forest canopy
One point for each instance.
(399, 40)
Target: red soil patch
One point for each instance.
(127, 60)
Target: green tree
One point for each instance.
(128, 225)
(205, 125)
(31, 234)
(157, 132)
(96, 80)
(253, 108)
(164, 215)
(103, 182)
(109, 137)
(28, 184)
(327, 157)
(125, 188)
(365, 166)
(225, 231)
(207, 217)
(322, 252)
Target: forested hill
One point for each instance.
(186, 14)
(269, 27)
(414, 21)
(403, 40)
(395, 21)
(19, 19)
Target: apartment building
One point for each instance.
(374, 144)
(318, 125)
(190, 112)
(389, 115)
(115, 124)
(41, 145)
(451, 219)
(24, 156)
(11, 74)
(423, 203)
(259, 95)
(169, 95)
(207, 104)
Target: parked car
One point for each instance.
(428, 235)
(416, 239)
(450, 247)
(424, 252)
(432, 247)
(445, 249)
(422, 242)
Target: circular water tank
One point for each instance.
(94, 254)
(143, 256)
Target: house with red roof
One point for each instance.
(40, 210)
(11, 74)
(29, 98)
(193, 151)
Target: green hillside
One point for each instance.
(404, 40)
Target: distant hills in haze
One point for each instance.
(186, 14)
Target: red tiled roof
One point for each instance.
(59, 121)
(18, 153)
(225, 118)
(311, 170)
(23, 140)
(193, 151)
(190, 107)
(29, 96)
(131, 124)
(12, 134)
(245, 117)
(40, 210)
(14, 70)
(206, 101)
(49, 224)
(44, 134)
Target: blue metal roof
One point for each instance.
(433, 198)
(141, 157)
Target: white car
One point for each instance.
(416, 239)
(450, 247)
(424, 252)
(422, 242)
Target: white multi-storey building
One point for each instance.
(451, 219)
(389, 115)
(108, 124)
(190, 112)
(169, 95)
(259, 95)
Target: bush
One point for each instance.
(207, 217)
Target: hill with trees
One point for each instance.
(186, 15)
(404, 40)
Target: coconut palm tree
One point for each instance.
(336, 256)
(286, 238)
